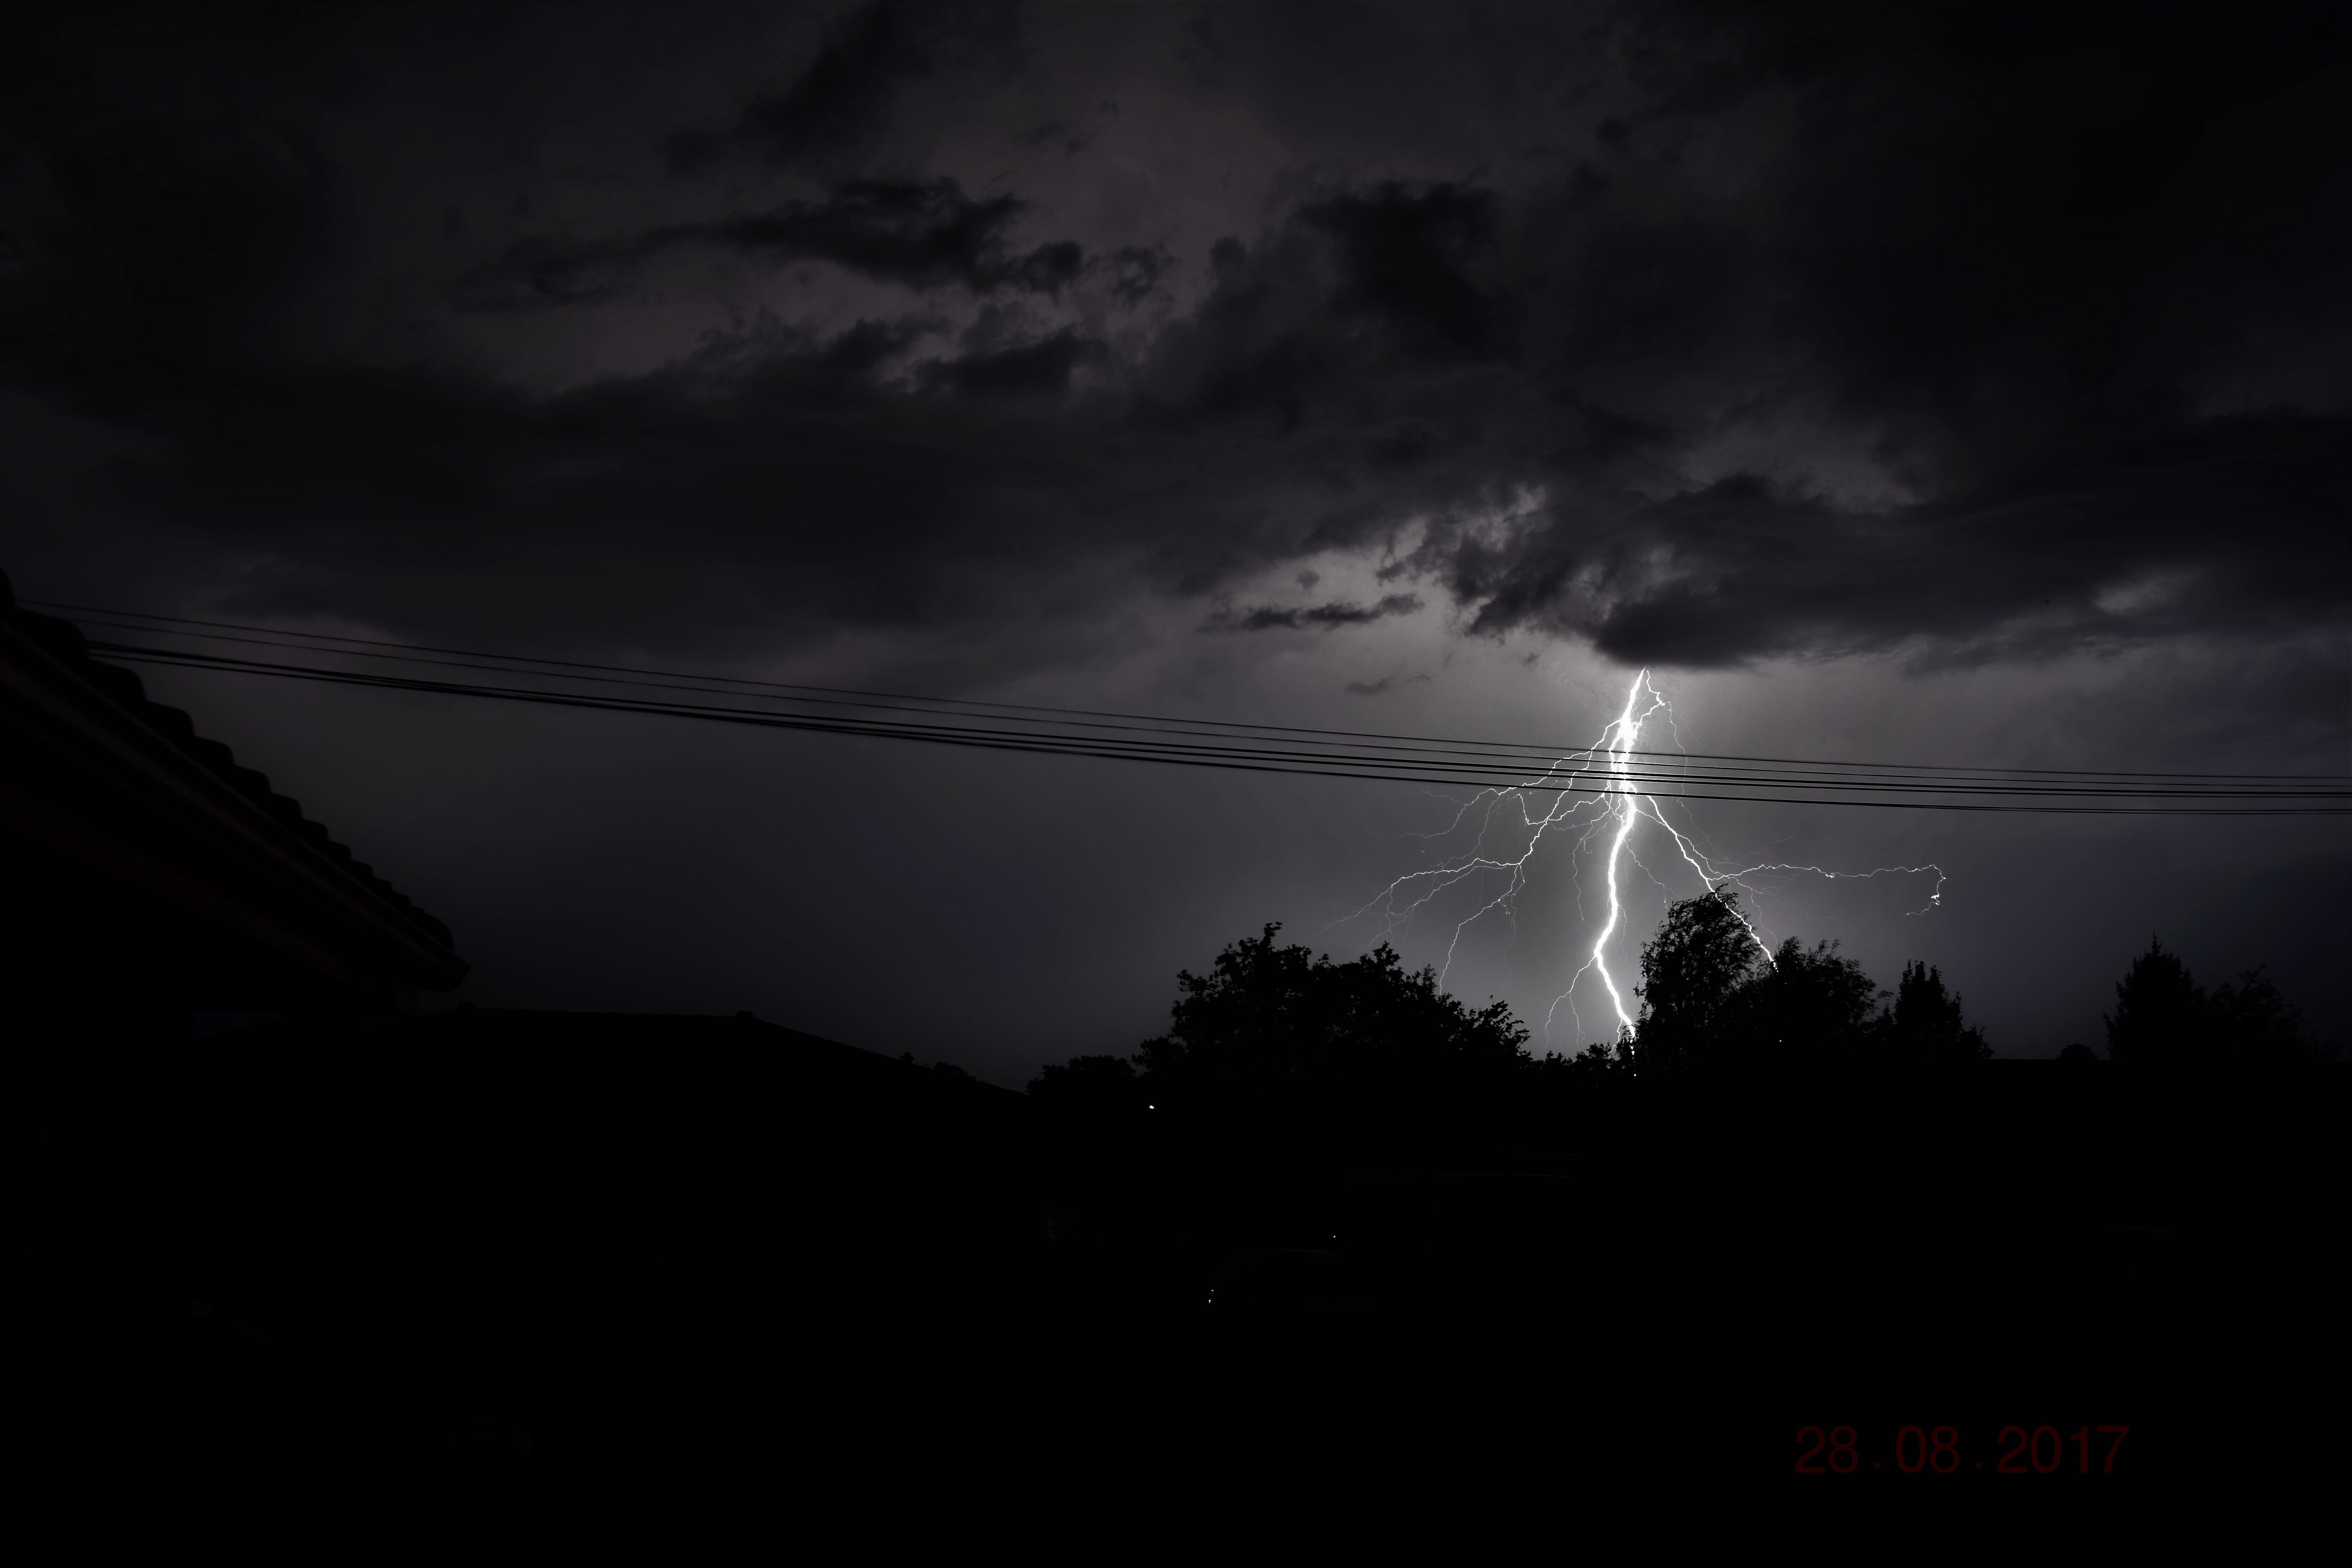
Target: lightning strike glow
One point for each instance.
(1607, 809)
(1617, 741)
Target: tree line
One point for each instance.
(1276, 1028)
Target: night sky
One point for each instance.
(1911, 382)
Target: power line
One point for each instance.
(1481, 763)
(1269, 757)
(1186, 742)
(1012, 712)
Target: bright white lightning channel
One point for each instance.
(1609, 808)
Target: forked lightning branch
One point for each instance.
(1591, 798)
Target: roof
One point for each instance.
(586, 1084)
(125, 785)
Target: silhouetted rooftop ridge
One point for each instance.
(496, 1055)
(63, 641)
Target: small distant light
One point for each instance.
(1151, 1108)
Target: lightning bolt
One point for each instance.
(1603, 817)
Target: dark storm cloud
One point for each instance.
(798, 484)
(1840, 331)
(2232, 526)
(869, 56)
(1135, 271)
(1032, 370)
(1073, 139)
(925, 234)
(142, 308)
(2027, 318)
(1327, 618)
(1384, 685)
(1407, 257)
(129, 234)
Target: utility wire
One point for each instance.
(1020, 713)
(1480, 762)
(1609, 779)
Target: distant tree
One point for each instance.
(1594, 1064)
(1713, 1000)
(2251, 1022)
(2160, 1012)
(1278, 1027)
(1088, 1083)
(2163, 1015)
(1693, 972)
(1925, 1023)
(945, 1069)
(2077, 1051)
(1593, 1060)
(1811, 1007)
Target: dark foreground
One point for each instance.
(512, 1287)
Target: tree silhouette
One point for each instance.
(1809, 1008)
(2251, 1022)
(1088, 1083)
(1595, 1060)
(1925, 1023)
(1712, 1001)
(2161, 1014)
(1276, 1027)
(1692, 974)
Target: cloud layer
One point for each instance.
(1703, 335)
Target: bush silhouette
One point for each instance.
(1925, 1023)
(2160, 1012)
(1809, 1008)
(1278, 1029)
(2162, 1015)
(1714, 1001)
(1089, 1083)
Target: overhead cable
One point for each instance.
(1663, 776)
